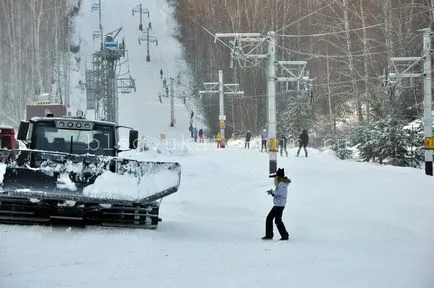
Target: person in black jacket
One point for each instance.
(248, 136)
(303, 141)
(201, 136)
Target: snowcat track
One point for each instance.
(58, 196)
(15, 210)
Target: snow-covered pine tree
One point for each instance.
(414, 143)
(297, 116)
(388, 141)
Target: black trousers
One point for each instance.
(276, 214)
(264, 145)
(304, 147)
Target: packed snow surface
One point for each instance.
(351, 225)
(127, 187)
(64, 182)
(2, 171)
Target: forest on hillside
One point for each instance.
(34, 52)
(348, 46)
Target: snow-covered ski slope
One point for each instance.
(351, 225)
(142, 109)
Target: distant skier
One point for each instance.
(218, 139)
(279, 200)
(201, 135)
(303, 141)
(161, 73)
(166, 87)
(248, 136)
(282, 145)
(264, 138)
(195, 134)
(191, 130)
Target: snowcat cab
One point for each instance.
(70, 172)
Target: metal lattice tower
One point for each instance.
(404, 70)
(219, 88)
(102, 82)
(145, 36)
(250, 50)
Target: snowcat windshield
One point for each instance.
(98, 141)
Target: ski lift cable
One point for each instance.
(123, 32)
(248, 97)
(9, 118)
(329, 33)
(327, 56)
(203, 27)
(344, 31)
(306, 16)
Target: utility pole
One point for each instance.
(172, 103)
(253, 43)
(148, 57)
(232, 90)
(271, 93)
(394, 79)
(100, 24)
(222, 116)
(98, 34)
(427, 105)
(141, 11)
(146, 37)
(149, 39)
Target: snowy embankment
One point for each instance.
(128, 187)
(2, 172)
(351, 225)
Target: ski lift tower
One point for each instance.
(104, 67)
(102, 81)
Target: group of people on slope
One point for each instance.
(303, 142)
(195, 134)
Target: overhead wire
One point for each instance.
(248, 97)
(339, 32)
(304, 53)
(304, 17)
(327, 56)
(202, 26)
(328, 33)
(350, 30)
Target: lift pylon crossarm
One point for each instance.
(208, 91)
(235, 93)
(236, 35)
(115, 32)
(405, 59)
(231, 87)
(293, 62)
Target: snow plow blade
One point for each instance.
(47, 187)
